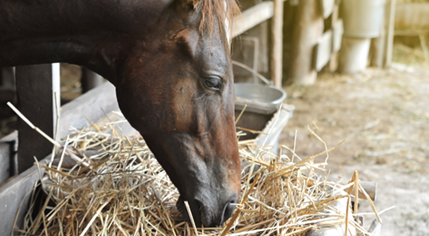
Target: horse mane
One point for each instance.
(221, 10)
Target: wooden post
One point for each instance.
(378, 47)
(306, 34)
(7, 77)
(333, 62)
(7, 84)
(277, 37)
(390, 33)
(36, 86)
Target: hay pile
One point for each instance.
(120, 189)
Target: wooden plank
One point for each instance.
(327, 7)
(92, 105)
(337, 33)
(7, 90)
(252, 17)
(12, 140)
(413, 16)
(324, 50)
(378, 45)
(338, 30)
(11, 195)
(35, 89)
(277, 44)
(5, 162)
(390, 33)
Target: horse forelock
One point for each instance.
(221, 10)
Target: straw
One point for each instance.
(125, 191)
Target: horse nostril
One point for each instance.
(228, 210)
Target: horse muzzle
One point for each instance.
(209, 212)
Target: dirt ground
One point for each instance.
(384, 117)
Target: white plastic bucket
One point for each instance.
(362, 18)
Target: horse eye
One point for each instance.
(213, 83)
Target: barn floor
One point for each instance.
(384, 117)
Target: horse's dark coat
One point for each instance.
(174, 81)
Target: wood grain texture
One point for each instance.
(34, 86)
(306, 34)
(412, 16)
(252, 17)
(277, 44)
(5, 164)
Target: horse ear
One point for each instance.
(188, 12)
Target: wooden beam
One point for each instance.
(328, 7)
(11, 140)
(378, 46)
(277, 49)
(36, 86)
(324, 50)
(7, 85)
(252, 17)
(412, 15)
(390, 33)
(12, 194)
(307, 32)
(337, 35)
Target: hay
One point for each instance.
(121, 189)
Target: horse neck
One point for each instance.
(92, 33)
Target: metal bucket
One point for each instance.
(262, 111)
(259, 98)
(263, 99)
(362, 18)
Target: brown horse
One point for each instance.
(169, 61)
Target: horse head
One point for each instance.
(169, 61)
(176, 88)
